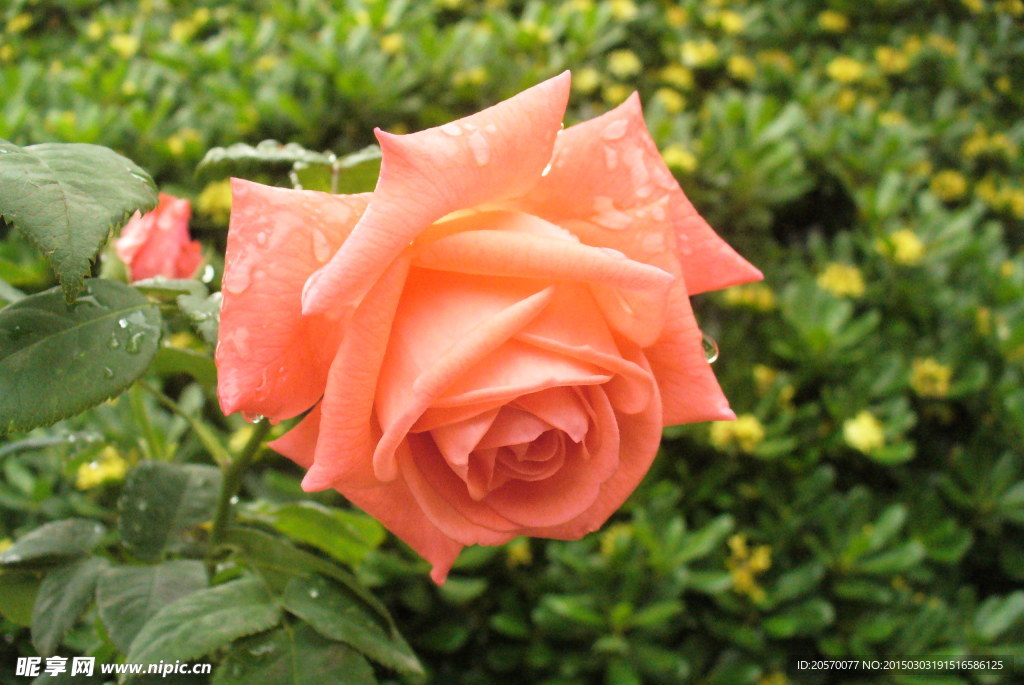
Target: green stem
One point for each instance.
(232, 482)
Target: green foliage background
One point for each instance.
(868, 156)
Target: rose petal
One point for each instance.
(299, 444)
(610, 186)
(272, 360)
(495, 154)
(457, 440)
(559, 407)
(348, 434)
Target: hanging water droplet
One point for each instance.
(234, 500)
(208, 273)
(252, 418)
(710, 348)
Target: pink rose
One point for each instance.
(492, 340)
(157, 243)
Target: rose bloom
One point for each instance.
(491, 342)
(157, 243)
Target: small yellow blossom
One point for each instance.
(746, 432)
(19, 23)
(949, 185)
(238, 439)
(912, 45)
(864, 432)
(1007, 268)
(582, 5)
(786, 395)
(745, 566)
(842, 280)
(891, 60)
(670, 99)
(392, 43)
(586, 80)
(1015, 8)
(678, 158)
(124, 45)
(183, 340)
(754, 295)
(94, 31)
(929, 378)
(977, 144)
(922, 168)
(902, 246)
(6, 544)
(833, 22)
(983, 321)
(731, 22)
(108, 466)
(741, 67)
(183, 30)
(845, 69)
(764, 378)
(266, 62)
(518, 553)
(215, 201)
(846, 99)
(615, 93)
(678, 76)
(699, 53)
(975, 6)
(473, 76)
(176, 145)
(624, 10)
(1001, 143)
(624, 63)
(6, 53)
(773, 678)
(892, 118)
(129, 88)
(677, 17)
(942, 44)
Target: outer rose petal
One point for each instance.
(272, 360)
(157, 244)
(607, 172)
(489, 156)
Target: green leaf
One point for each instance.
(65, 593)
(170, 288)
(67, 198)
(895, 560)
(346, 536)
(354, 173)
(8, 293)
(57, 361)
(160, 500)
(203, 312)
(292, 656)
(700, 543)
(19, 595)
(339, 615)
(204, 621)
(998, 614)
(52, 543)
(172, 360)
(127, 597)
(242, 160)
(806, 618)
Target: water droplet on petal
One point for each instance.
(322, 249)
(710, 348)
(236, 279)
(658, 212)
(608, 216)
(451, 129)
(547, 170)
(261, 238)
(480, 147)
(611, 158)
(615, 130)
(252, 418)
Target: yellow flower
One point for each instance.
(754, 295)
(929, 378)
(624, 10)
(183, 30)
(678, 76)
(983, 321)
(176, 145)
(842, 280)
(582, 5)
(902, 246)
(975, 6)
(6, 544)
(845, 69)
(773, 678)
(1007, 268)
(615, 93)
(864, 432)
(744, 566)
(470, 77)
(129, 88)
(699, 53)
(215, 201)
(891, 118)
(764, 378)
(942, 44)
(833, 22)
(678, 158)
(846, 99)
(891, 60)
(741, 67)
(977, 144)
(746, 432)
(670, 99)
(1014, 8)
(731, 22)
(912, 45)
(777, 58)
(392, 43)
(1000, 142)
(518, 553)
(124, 45)
(624, 63)
(19, 23)
(676, 17)
(586, 80)
(94, 31)
(107, 467)
(949, 185)
(266, 62)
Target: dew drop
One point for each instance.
(547, 170)
(108, 372)
(123, 323)
(480, 147)
(614, 130)
(608, 216)
(611, 158)
(143, 506)
(321, 246)
(710, 348)
(251, 417)
(261, 238)
(658, 212)
(134, 343)
(491, 128)
(234, 500)
(451, 129)
(114, 343)
(208, 273)
(653, 242)
(236, 279)
(314, 593)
